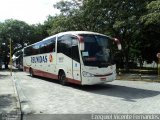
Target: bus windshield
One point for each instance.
(96, 50)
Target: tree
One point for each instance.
(19, 32)
(131, 21)
(67, 20)
(39, 32)
(151, 31)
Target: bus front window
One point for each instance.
(96, 51)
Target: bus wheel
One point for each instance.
(62, 78)
(31, 72)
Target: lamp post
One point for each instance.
(10, 46)
(158, 56)
(158, 66)
(2, 55)
(10, 56)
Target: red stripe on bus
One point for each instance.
(103, 75)
(50, 75)
(73, 81)
(44, 74)
(26, 69)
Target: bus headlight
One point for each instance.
(87, 74)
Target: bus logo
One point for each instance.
(39, 59)
(50, 58)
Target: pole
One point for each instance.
(158, 56)
(158, 67)
(10, 57)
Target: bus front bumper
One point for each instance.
(98, 79)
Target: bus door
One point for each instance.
(75, 60)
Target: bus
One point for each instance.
(0, 62)
(17, 59)
(79, 57)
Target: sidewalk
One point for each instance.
(9, 102)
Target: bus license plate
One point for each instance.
(103, 79)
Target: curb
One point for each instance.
(13, 113)
(24, 102)
(19, 113)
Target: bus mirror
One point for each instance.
(81, 43)
(119, 47)
(118, 43)
(81, 46)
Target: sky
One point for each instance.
(30, 11)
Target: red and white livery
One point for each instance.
(79, 57)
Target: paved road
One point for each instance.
(46, 96)
(9, 104)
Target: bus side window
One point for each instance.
(50, 45)
(75, 51)
(37, 48)
(53, 43)
(68, 45)
(33, 50)
(28, 51)
(43, 47)
(64, 45)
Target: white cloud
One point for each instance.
(30, 11)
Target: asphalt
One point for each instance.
(9, 100)
(10, 107)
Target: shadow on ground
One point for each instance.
(124, 92)
(6, 101)
(46, 79)
(17, 70)
(3, 76)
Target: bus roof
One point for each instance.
(79, 32)
(69, 32)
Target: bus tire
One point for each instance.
(31, 72)
(62, 78)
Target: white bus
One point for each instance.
(79, 57)
(18, 59)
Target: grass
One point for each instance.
(139, 77)
(149, 71)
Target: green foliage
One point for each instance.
(125, 19)
(153, 13)
(150, 31)
(18, 31)
(135, 23)
(21, 34)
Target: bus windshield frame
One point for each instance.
(97, 50)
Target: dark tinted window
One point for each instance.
(35, 49)
(68, 45)
(41, 47)
(75, 50)
(97, 50)
(48, 46)
(28, 51)
(64, 45)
